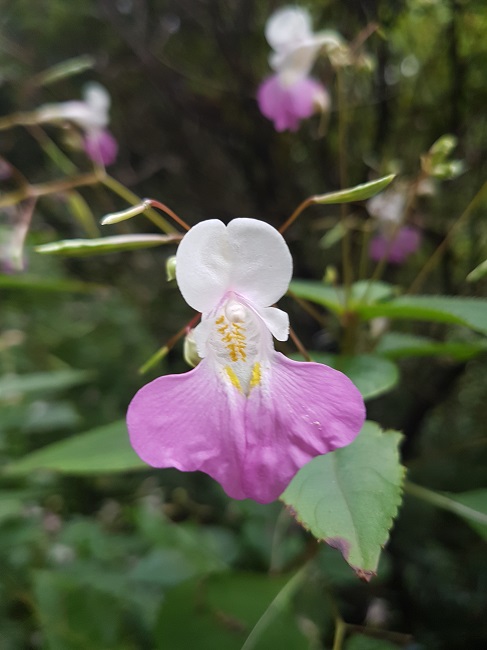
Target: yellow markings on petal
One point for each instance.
(256, 376)
(233, 378)
(233, 337)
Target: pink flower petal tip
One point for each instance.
(287, 105)
(101, 147)
(406, 242)
(251, 444)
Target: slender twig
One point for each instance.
(309, 309)
(51, 187)
(164, 208)
(436, 256)
(301, 207)
(162, 352)
(299, 345)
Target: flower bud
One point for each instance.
(171, 268)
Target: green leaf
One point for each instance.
(362, 292)
(373, 375)
(357, 193)
(74, 615)
(349, 498)
(83, 214)
(478, 272)
(378, 301)
(11, 503)
(330, 297)
(333, 236)
(362, 642)
(65, 69)
(397, 345)
(41, 382)
(470, 312)
(37, 284)
(115, 244)
(471, 506)
(221, 612)
(99, 451)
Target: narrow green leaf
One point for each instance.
(362, 642)
(349, 498)
(115, 244)
(333, 236)
(65, 69)
(101, 450)
(478, 272)
(470, 312)
(46, 285)
(333, 298)
(357, 193)
(397, 345)
(373, 375)
(83, 214)
(41, 382)
(330, 297)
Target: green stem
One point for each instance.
(342, 149)
(281, 600)
(445, 502)
(340, 630)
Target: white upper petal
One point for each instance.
(248, 257)
(288, 26)
(98, 99)
(261, 262)
(75, 111)
(90, 114)
(296, 60)
(203, 262)
(292, 65)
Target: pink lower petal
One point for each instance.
(101, 147)
(190, 422)
(406, 242)
(253, 446)
(307, 409)
(285, 105)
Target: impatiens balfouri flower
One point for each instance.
(92, 116)
(291, 95)
(393, 240)
(246, 415)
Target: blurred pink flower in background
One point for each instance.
(91, 115)
(290, 95)
(394, 241)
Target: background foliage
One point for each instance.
(96, 550)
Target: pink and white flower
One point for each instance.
(246, 415)
(394, 241)
(92, 116)
(291, 95)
